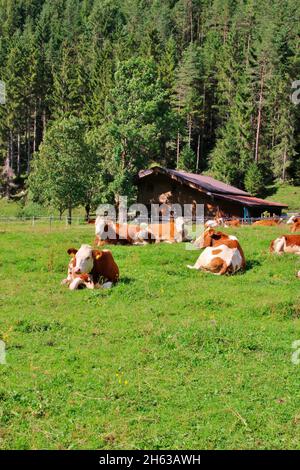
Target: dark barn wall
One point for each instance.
(161, 189)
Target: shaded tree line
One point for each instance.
(104, 88)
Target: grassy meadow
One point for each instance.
(169, 358)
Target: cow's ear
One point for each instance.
(97, 254)
(72, 251)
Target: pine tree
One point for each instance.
(187, 96)
(254, 180)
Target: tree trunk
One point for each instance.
(190, 129)
(87, 212)
(11, 149)
(256, 157)
(198, 153)
(44, 122)
(70, 214)
(34, 129)
(28, 145)
(19, 155)
(191, 20)
(284, 163)
(178, 149)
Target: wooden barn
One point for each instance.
(163, 186)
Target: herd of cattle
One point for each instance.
(222, 254)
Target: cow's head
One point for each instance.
(83, 259)
(208, 237)
(293, 219)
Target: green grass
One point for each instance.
(169, 358)
(286, 194)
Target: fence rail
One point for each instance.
(80, 220)
(46, 219)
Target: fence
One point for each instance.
(81, 220)
(43, 220)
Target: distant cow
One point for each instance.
(295, 227)
(268, 222)
(109, 232)
(170, 231)
(295, 219)
(213, 223)
(222, 254)
(91, 268)
(286, 244)
(232, 223)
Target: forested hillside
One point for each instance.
(203, 85)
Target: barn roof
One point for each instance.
(211, 186)
(204, 182)
(252, 201)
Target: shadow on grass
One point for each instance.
(251, 264)
(125, 280)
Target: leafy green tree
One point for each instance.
(64, 170)
(139, 121)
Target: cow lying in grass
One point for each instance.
(295, 227)
(286, 244)
(91, 268)
(109, 232)
(222, 254)
(232, 223)
(220, 222)
(213, 223)
(268, 222)
(294, 221)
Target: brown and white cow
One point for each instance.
(222, 254)
(286, 244)
(213, 223)
(295, 219)
(295, 227)
(232, 223)
(109, 232)
(171, 231)
(268, 222)
(91, 268)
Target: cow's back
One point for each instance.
(105, 266)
